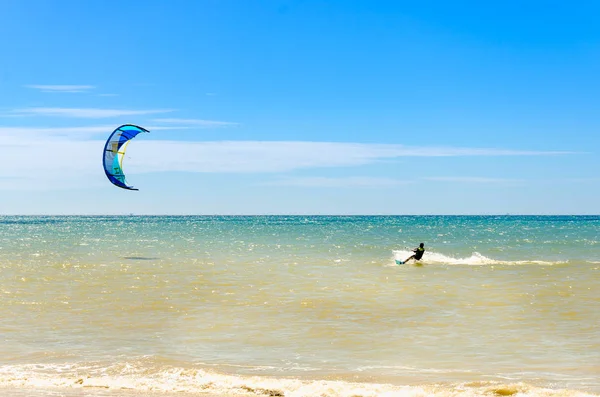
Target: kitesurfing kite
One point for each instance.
(114, 150)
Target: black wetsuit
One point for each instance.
(419, 253)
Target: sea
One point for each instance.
(299, 306)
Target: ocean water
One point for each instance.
(299, 306)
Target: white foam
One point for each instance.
(132, 376)
(476, 258)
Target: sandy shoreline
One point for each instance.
(101, 392)
(473, 389)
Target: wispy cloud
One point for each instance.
(86, 112)
(62, 88)
(473, 179)
(347, 182)
(196, 122)
(277, 156)
(35, 157)
(493, 152)
(572, 180)
(26, 134)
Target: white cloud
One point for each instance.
(472, 179)
(458, 151)
(86, 112)
(196, 122)
(339, 182)
(62, 88)
(573, 180)
(258, 156)
(26, 134)
(57, 162)
(278, 156)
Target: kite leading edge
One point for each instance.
(114, 150)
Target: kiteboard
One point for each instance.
(399, 262)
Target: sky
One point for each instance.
(301, 107)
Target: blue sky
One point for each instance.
(301, 107)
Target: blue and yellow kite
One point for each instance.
(114, 150)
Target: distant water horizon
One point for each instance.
(294, 214)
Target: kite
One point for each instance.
(114, 150)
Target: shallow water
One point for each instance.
(300, 305)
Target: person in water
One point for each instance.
(418, 253)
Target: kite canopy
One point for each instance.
(114, 150)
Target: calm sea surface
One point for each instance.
(299, 306)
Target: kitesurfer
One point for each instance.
(418, 253)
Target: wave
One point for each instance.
(171, 379)
(476, 258)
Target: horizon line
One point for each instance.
(298, 215)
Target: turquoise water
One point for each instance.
(297, 305)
